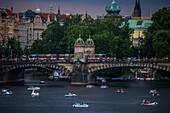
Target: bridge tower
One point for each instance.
(79, 50)
(79, 75)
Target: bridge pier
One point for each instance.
(78, 78)
(80, 75)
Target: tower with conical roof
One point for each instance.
(24, 18)
(59, 15)
(113, 10)
(89, 46)
(137, 9)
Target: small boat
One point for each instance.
(42, 82)
(152, 91)
(8, 93)
(33, 88)
(119, 91)
(104, 86)
(34, 93)
(81, 104)
(90, 86)
(4, 90)
(99, 78)
(149, 103)
(51, 77)
(103, 80)
(71, 95)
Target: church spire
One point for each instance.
(136, 4)
(59, 16)
(139, 8)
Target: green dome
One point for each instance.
(113, 9)
(79, 41)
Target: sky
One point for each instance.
(93, 7)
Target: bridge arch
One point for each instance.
(13, 73)
(93, 69)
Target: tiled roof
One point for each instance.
(139, 23)
(8, 12)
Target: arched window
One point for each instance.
(38, 20)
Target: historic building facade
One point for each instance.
(139, 24)
(8, 25)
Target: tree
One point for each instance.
(13, 48)
(50, 42)
(161, 21)
(161, 43)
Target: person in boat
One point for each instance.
(121, 90)
(118, 90)
(81, 103)
(144, 101)
(148, 102)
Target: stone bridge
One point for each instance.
(81, 72)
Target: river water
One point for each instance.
(52, 99)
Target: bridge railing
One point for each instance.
(96, 61)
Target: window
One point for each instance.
(38, 20)
(139, 22)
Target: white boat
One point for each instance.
(33, 88)
(149, 103)
(80, 105)
(4, 90)
(104, 86)
(8, 93)
(34, 93)
(90, 86)
(152, 91)
(42, 82)
(71, 95)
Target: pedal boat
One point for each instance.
(8, 93)
(80, 105)
(149, 103)
(33, 88)
(90, 86)
(4, 90)
(119, 91)
(104, 86)
(71, 95)
(152, 91)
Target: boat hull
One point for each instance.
(81, 106)
(71, 95)
(150, 104)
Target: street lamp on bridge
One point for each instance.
(132, 50)
(37, 45)
(139, 44)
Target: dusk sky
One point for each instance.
(93, 7)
